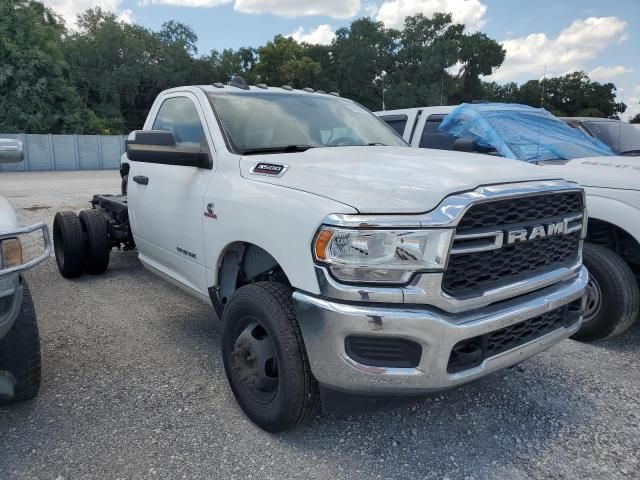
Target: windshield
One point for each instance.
(521, 132)
(259, 121)
(621, 137)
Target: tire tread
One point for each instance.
(20, 351)
(626, 291)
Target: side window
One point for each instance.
(397, 122)
(432, 137)
(179, 116)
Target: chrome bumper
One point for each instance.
(17, 232)
(325, 324)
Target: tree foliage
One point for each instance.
(571, 95)
(635, 119)
(102, 76)
(36, 93)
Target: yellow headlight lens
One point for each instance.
(11, 253)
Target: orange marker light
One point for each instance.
(321, 244)
(11, 252)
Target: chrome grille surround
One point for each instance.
(427, 288)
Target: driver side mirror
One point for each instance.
(159, 146)
(11, 151)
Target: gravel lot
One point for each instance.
(133, 387)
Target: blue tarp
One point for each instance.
(521, 132)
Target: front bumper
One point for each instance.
(10, 277)
(325, 325)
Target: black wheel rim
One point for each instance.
(254, 362)
(594, 300)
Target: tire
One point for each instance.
(94, 226)
(295, 398)
(613, 300)
(123, 184)
(20, 352)
(68, 243)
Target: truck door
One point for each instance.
(166, 201)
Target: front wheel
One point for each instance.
(265, 359)
(613, 296)
(20, 352)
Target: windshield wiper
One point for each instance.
(283, 149)
(632, 152)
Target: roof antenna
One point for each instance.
(620, 124)
(544, 77)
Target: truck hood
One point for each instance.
(604, 172)
(7, 216)
(389, 179)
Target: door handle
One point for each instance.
(141, 179)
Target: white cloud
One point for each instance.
(633, 109)
(468, 12)
(322, 34)
(298, 8)
(528, 57)
(637, 88)
(606, 74)
(185, 3)
(69, 9)
(283, 8)
(126, 16)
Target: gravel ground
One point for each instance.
(134, 387)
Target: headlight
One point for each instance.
(381, 256)
(11, 252)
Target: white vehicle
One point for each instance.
(338, 258)
(19, 339)
(620, 136)
(612, 184)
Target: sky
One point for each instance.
(601, 37)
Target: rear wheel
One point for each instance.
(20, 352)
(94, 226)
(68, 244)
(265, 358)
(613, 296)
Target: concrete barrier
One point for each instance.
(67, 152)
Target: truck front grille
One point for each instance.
(521, 210)
(472, 274)
(472, 352)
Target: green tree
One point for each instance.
(285, 61)
(119, 68)
(571, 95)
(428, 49)
(635, 119)
(359, 55)
(36, 94)
(477, 55)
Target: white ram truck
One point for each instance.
(341, 261)
(19, 338)
(612, 184)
